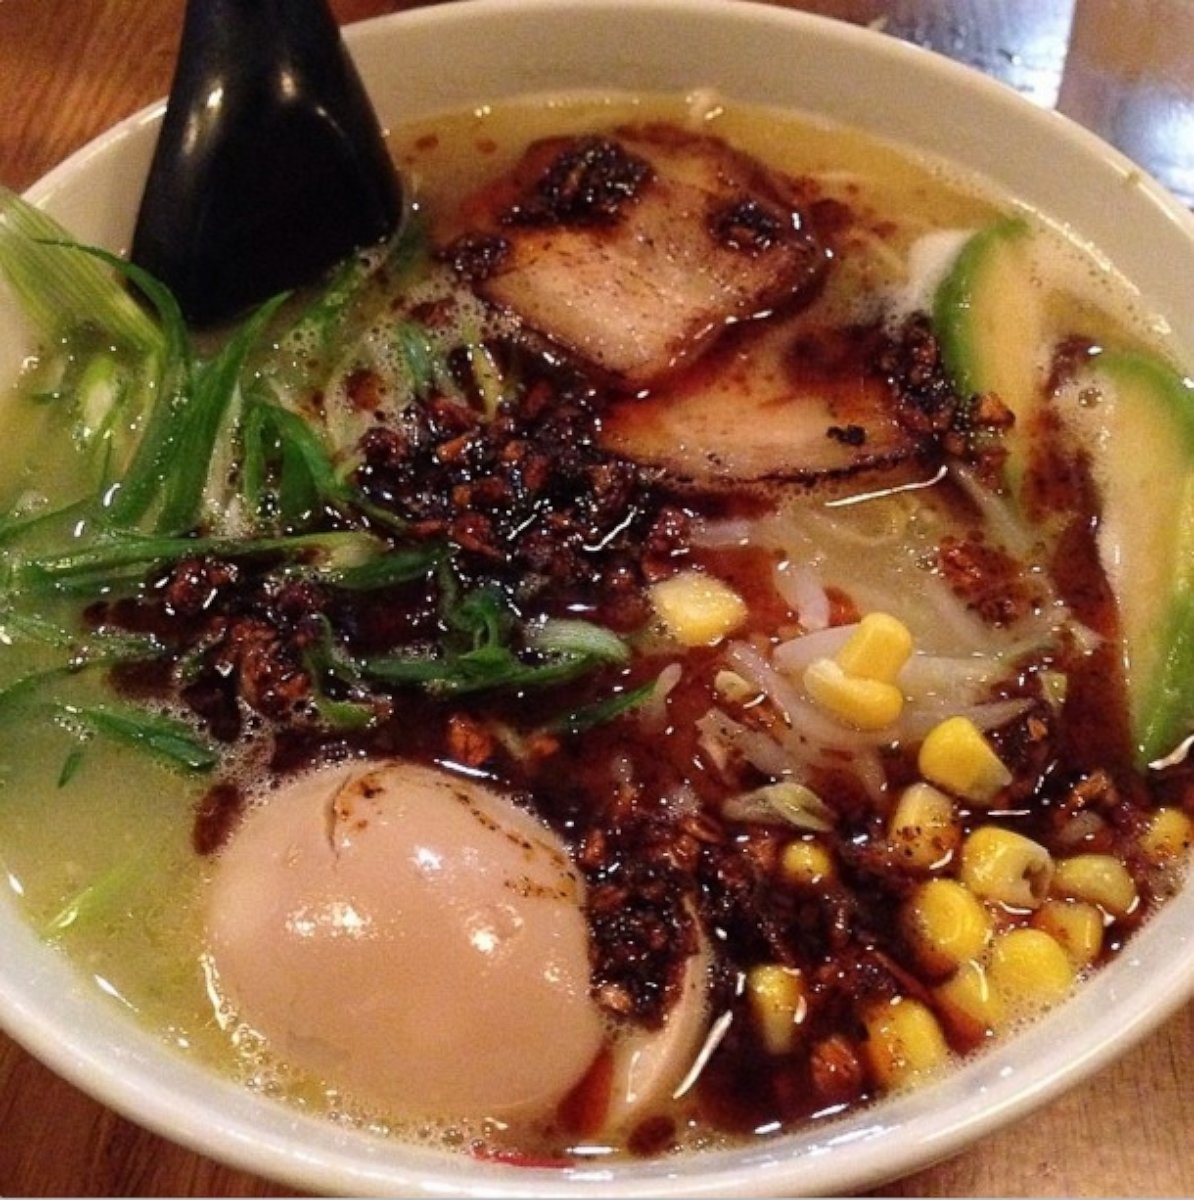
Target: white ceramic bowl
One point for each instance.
(478, 50)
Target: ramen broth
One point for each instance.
(725, 821)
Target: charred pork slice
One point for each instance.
(634, 252)
(775, 405)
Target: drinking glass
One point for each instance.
(1129, 76)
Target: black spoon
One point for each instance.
(270, 165)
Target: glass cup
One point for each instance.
(1129, 76)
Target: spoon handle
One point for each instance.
(270, 164)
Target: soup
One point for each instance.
(668, 650)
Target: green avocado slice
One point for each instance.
(1135, 415)
(989, 320)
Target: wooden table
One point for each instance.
(70, 68)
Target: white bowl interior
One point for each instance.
(480, 50)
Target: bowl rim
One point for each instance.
(134, 1073)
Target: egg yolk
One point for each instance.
(411, 937)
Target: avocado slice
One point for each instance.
(988, 316)
(1135, 416)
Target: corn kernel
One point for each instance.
(855, 701)
(904, 1042)
(806, 863)
(945, 924)
(924, 829)
(1076, 925)
(970, 1004)
(877, 649)
(1030, 971)
(956, 756)
(1098, 878)
(1006, 867)
(778, 1003)
(1168, 835)
(698, 609)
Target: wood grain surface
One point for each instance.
(69, 69)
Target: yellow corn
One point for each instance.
(970, 1004)
(697, 609)
(904, 1042)
(1168, 835)
(1006, 867)
(924, 829)
(1098, 878)
(861, 703)
(956, 756)
(778, 1002)
(945, 925)
(806, 863)
(1076, 925)
(877, 649)
(1030, 971)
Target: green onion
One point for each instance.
(155, 450)
(483, 669)
(214, 387)
(304, 470)
(17, 525)
(163, 736)
(602, 711)
(339, 305)
(385, 570)
(423, 365)
(325, 658)
(345, 715)
(121, 557)
(564, 635)
(58, 290)
(298, 490)
(18, 696)
(104, 646)
(476, 654)
(172, 463)
(322, 321)
(100, 896)
(480, 615)
(491, 384)
(158, 447)
(404, 669)
(70, 766)
(98, 394)
(254, 434)
(325, 661)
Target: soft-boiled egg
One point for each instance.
(412, 936)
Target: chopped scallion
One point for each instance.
(562, 635)
(58, 289)
(602, 711)
(163, 736)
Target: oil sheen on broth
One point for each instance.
(874, 794)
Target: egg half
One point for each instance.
(412, 936)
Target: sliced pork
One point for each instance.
(777, 403)
(635, 252)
